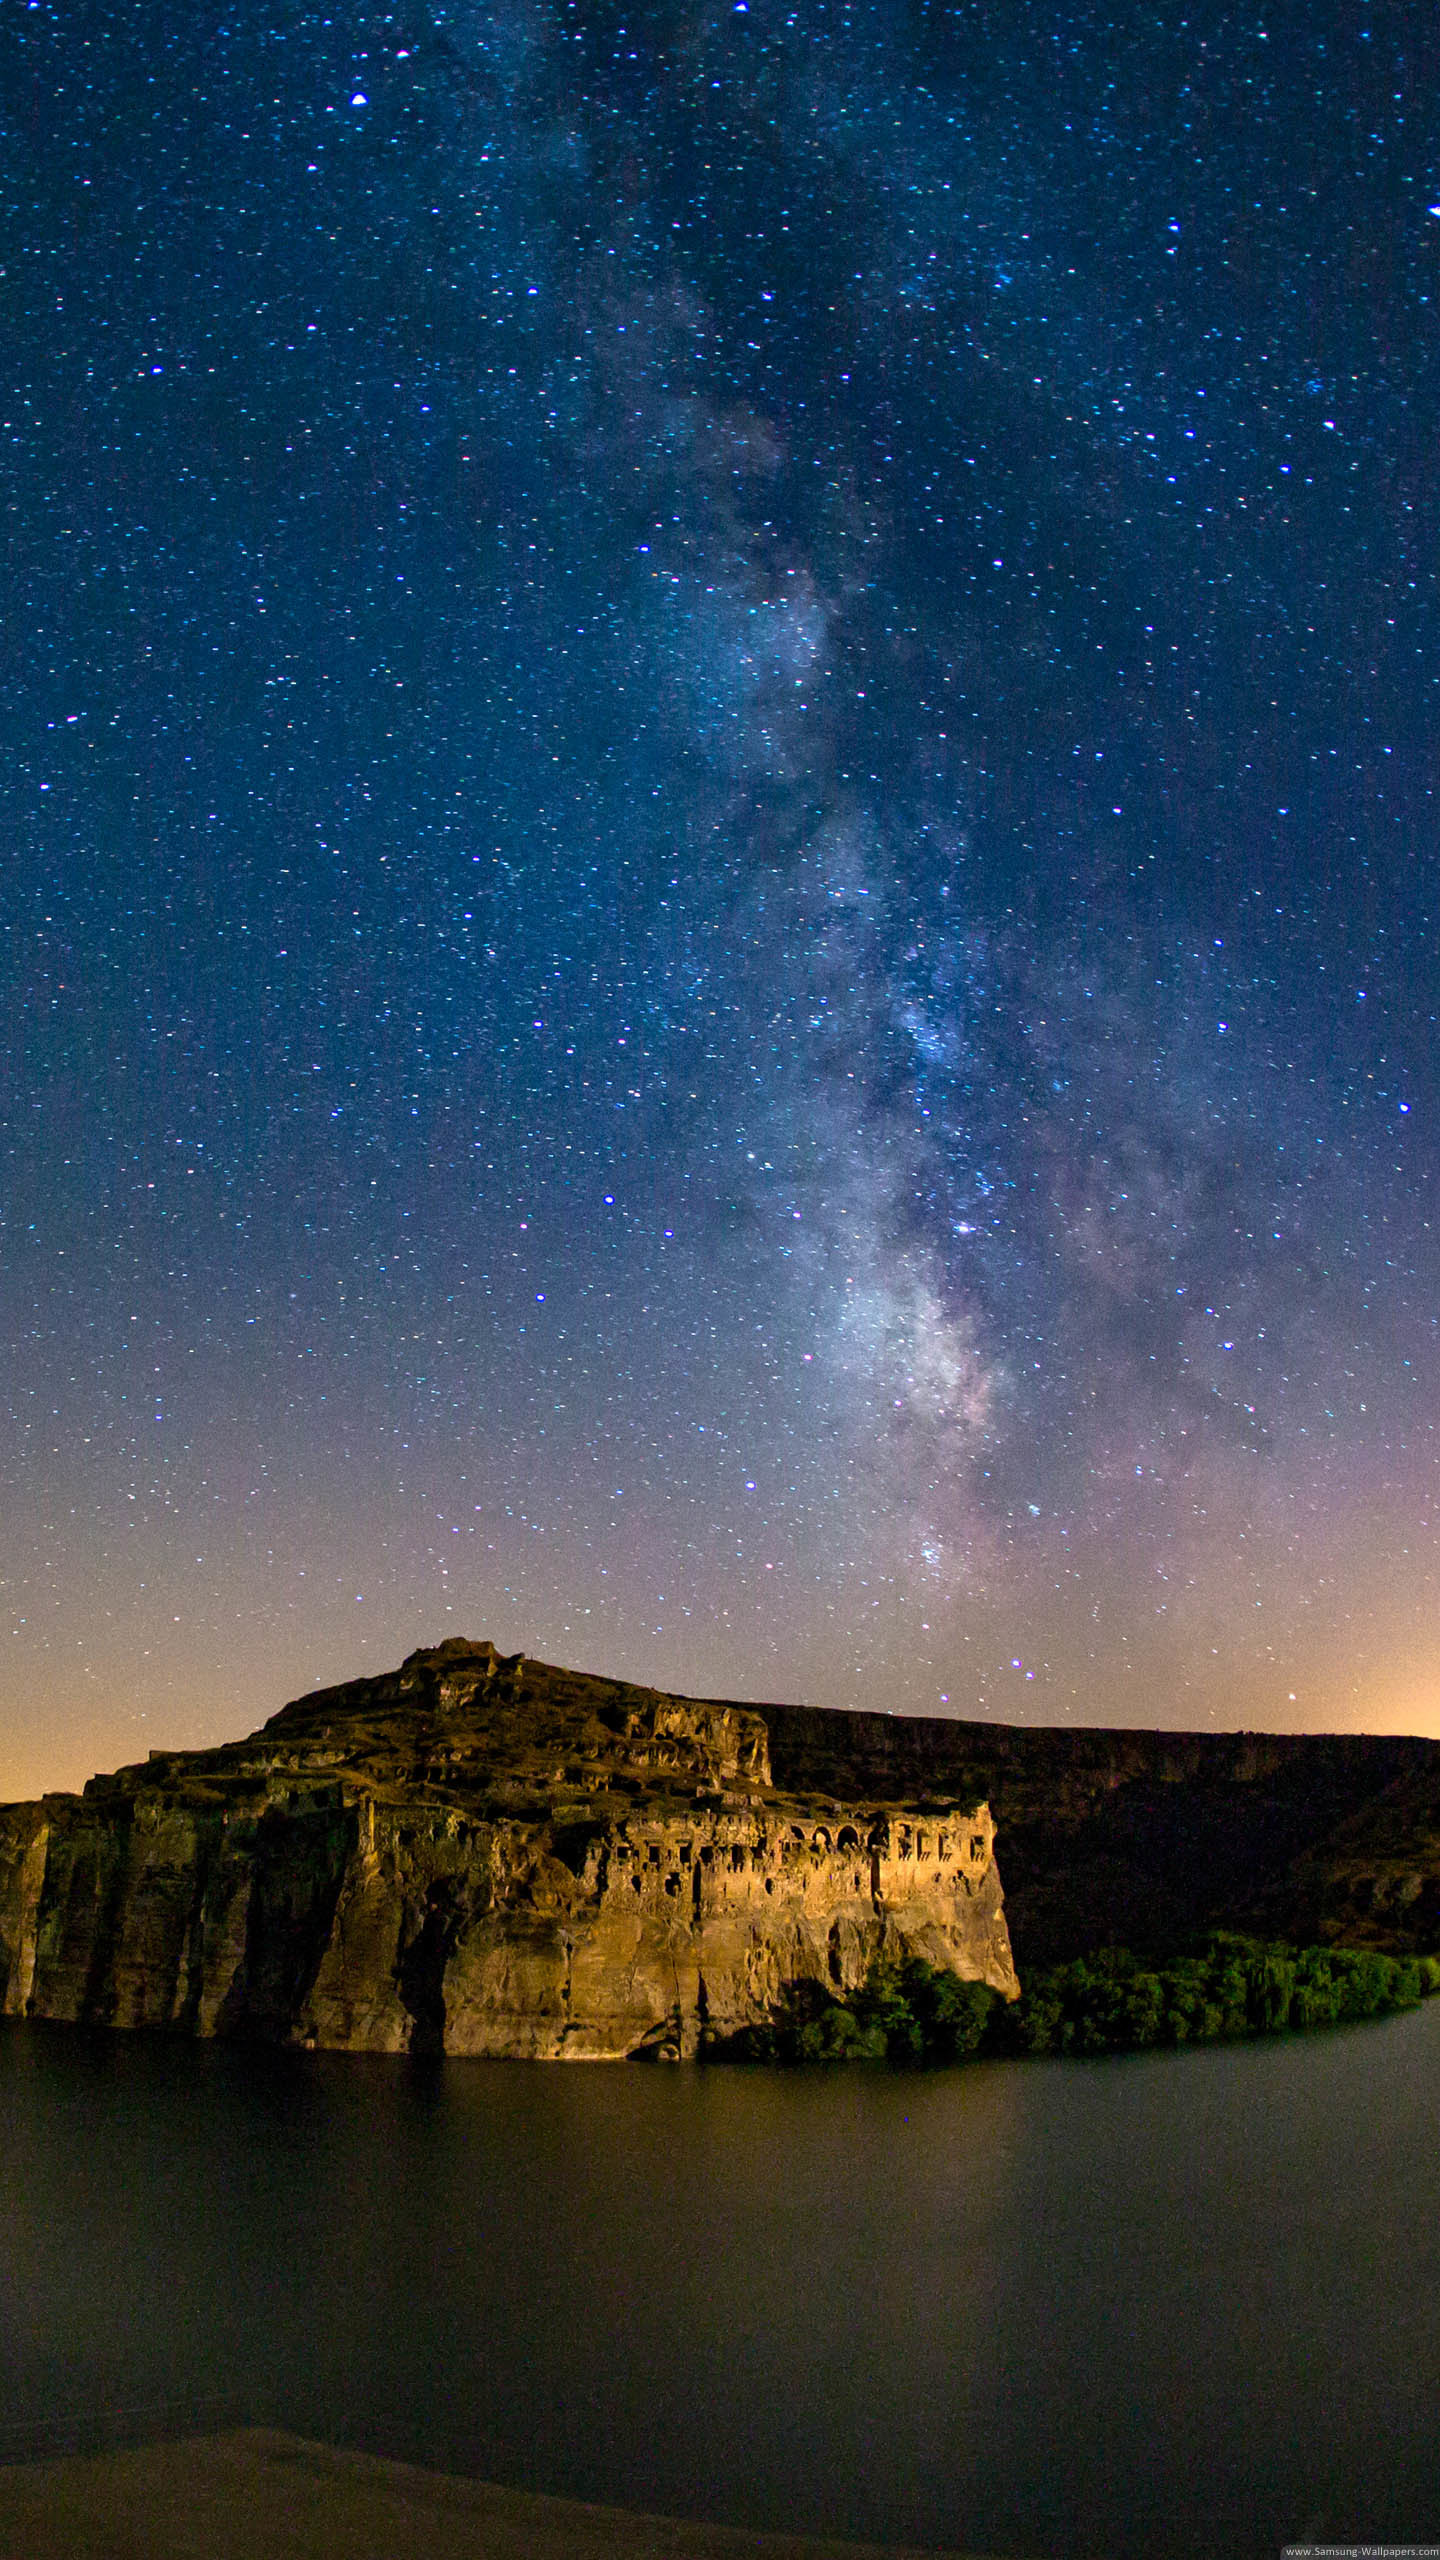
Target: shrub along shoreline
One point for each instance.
(1111, 2002)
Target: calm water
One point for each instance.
(1171, 2305)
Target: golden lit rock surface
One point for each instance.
(482, 1854)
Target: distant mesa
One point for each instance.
(483, 1854)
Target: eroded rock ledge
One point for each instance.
(481, 1854)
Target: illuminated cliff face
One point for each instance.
(477, 1854)
(480, 1856)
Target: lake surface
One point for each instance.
(1162, 2306)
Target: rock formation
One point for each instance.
(481, 1855)
(484, 1855)
(1147, 1839)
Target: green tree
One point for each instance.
(1106, 2002)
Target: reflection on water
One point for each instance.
(1172, 2305)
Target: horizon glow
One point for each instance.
(720, 940)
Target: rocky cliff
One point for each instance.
(1146, 1839)
(485, 1855)
(481, 1855)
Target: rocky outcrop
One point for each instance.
(483, 1855)
(477, 1854)
(1147, 1839)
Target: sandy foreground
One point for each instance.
(255, 2494)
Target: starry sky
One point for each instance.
(718, 915)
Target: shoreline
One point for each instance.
(258, 2493)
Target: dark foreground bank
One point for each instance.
(257, 2494)
(1110, 2002)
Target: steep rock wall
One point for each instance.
(1144, 1839)
(489, 1855)
(479, 1856)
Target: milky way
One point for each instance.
(720, 877)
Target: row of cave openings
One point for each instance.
(793, 1844)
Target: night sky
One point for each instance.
(719, 897)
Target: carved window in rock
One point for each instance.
(737, 1860)
(821, 1843)
(849, 1839)
(942, 1846)
(977, 1844)
(920, 1844)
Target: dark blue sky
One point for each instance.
(719, 911)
